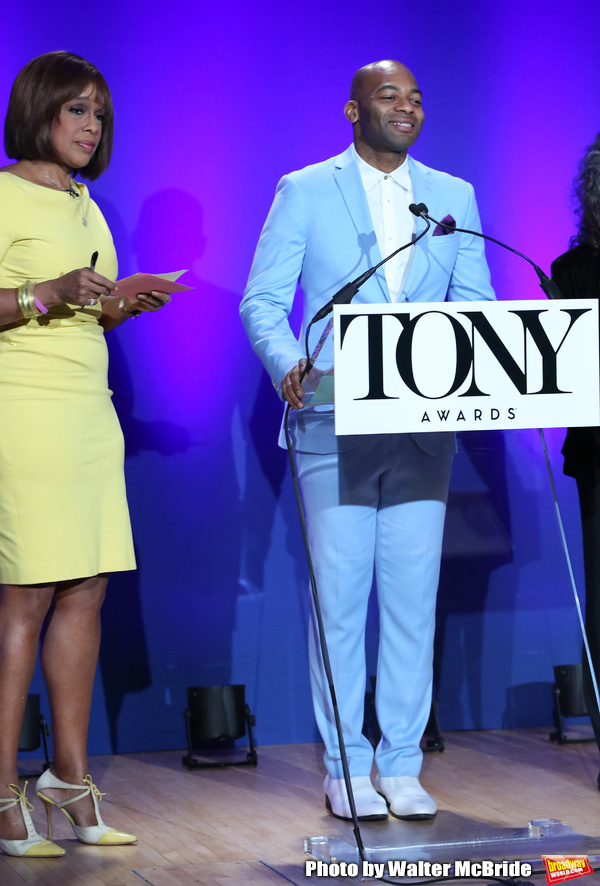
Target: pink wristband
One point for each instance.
(40, 306)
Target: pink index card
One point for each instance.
(131, 286)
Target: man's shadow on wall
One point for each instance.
(124, 659)
(208, 344)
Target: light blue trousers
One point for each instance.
(379, 506)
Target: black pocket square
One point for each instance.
(439, 230)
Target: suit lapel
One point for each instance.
(423, 191)
(348, 180)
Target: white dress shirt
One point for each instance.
(389, 196)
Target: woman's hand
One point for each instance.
(146, 301)
(81, 287)
(116, 310)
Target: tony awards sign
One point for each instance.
(458, 366)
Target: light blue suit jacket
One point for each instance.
(319, 233)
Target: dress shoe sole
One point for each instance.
(381, 816)
(417, 816)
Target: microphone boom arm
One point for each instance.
(547, 284)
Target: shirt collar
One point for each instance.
(371, 176)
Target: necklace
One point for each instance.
(70, 190)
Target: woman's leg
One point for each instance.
(22, 613)
(69, 656)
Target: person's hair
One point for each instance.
(587, 194)
(37, 96)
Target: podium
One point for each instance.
(420, 368)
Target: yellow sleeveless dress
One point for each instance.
(63, 508)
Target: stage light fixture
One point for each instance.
(216, 716)
(569, 701)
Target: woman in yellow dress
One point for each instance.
(64, 521)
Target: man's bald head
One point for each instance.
(363, 80)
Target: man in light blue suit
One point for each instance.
(373, 502)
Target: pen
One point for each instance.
(93, 261)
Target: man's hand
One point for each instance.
(291, 389)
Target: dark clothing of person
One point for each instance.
(577, 274)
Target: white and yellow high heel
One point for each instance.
(98, 834)
(34, 845)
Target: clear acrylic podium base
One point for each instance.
(450, 838)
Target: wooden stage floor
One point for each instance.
(239, 826)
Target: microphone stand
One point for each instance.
(552, 291)
(323, 641)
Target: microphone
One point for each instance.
(547, 284)
(419, 209)
(345, 295)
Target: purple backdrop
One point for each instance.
(213, 105)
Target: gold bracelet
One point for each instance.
(124, 310)
(27, 301)
(20, 299)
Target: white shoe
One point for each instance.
(369, 805)
(406, 798)
(33, 846)
(98, 834)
